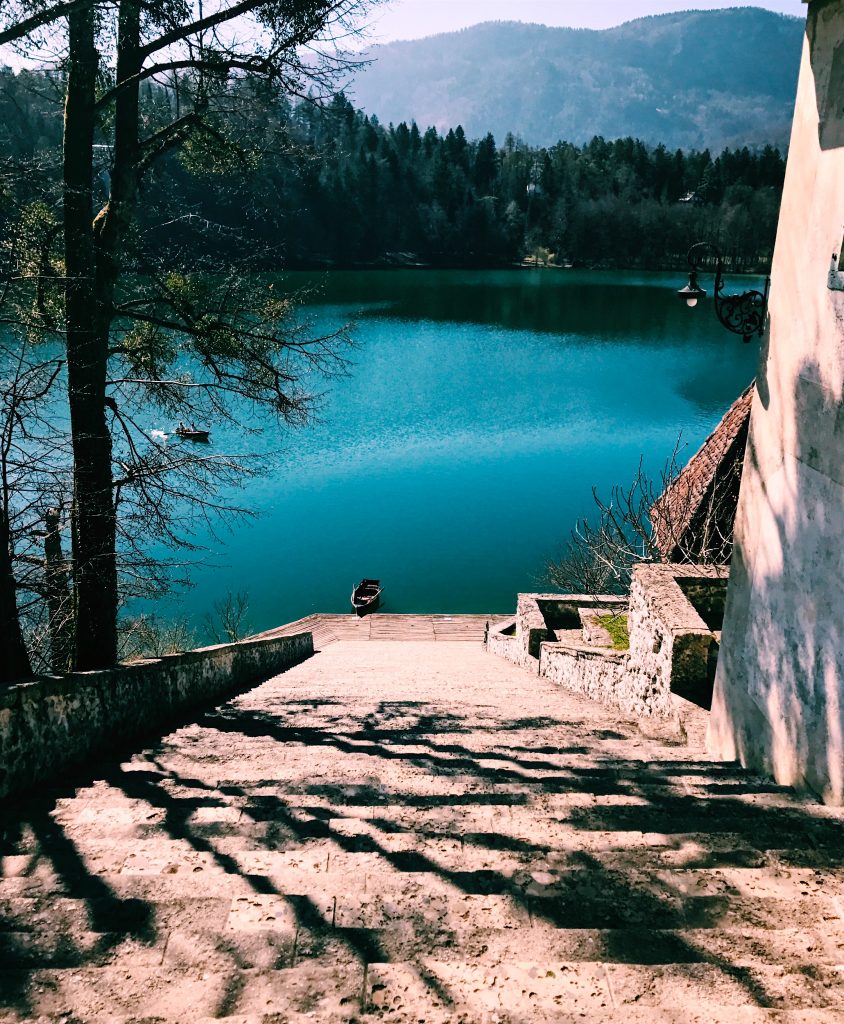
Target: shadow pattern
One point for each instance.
(57, 910)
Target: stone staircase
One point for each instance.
(419, 832)
(329, 628)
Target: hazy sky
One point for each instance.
(410, 19)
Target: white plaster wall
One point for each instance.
(779, 691)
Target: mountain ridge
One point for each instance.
(689, 79)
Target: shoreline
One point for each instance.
(760, 269)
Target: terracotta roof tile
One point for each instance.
(710, 480)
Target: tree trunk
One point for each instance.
(59, 602)
(115, 218)
(14, 660)
(94, 561)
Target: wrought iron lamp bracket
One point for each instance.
(742, 314)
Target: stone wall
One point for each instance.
(539, 618)
(595, 673)
(504, 643)
(52, 723)
(670, 644)
(779, 690)
(671, 647)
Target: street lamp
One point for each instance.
(742, 314)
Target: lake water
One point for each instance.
(480, 410)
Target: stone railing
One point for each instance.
(540, 618)
(502, 641)
(593, 672)
(670, 642)
(674, 618)
(51, 723)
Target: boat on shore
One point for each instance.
(192, 433)
(366, 596)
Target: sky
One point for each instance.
(412, 19)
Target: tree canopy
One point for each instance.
(140, 324)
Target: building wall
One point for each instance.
(779, 691)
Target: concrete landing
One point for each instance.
(328, 629)
(418, 832)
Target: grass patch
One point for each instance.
(616, 626)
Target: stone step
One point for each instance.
(400, 1014)
(481, 899)
(361, 859)
(381, 841)
(359, 846)
(130, 916)
(504, 839)
(500, 822)
(270, 789)
(423, 989)
(103, 994)
(580, 808)
(705, 991)
(800, 949)
(448, 865)
(274, 944)
(368, 848)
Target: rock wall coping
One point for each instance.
(539, 616)
(669, 642)
(657, 587)
(51, 723)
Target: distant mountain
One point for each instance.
(692, 79)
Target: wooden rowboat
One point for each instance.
(192, 434)
(366, 596)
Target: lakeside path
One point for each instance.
(414, 831)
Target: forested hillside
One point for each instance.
(694, 79)
(329, 186)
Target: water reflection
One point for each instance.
(591, 303)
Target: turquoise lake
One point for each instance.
(479, 411)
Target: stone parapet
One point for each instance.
(670, 642)
(504, 643)
(597, 674)
(674, 615)
(540, 616)
(52, 723)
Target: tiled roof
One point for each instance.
(707, 486)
